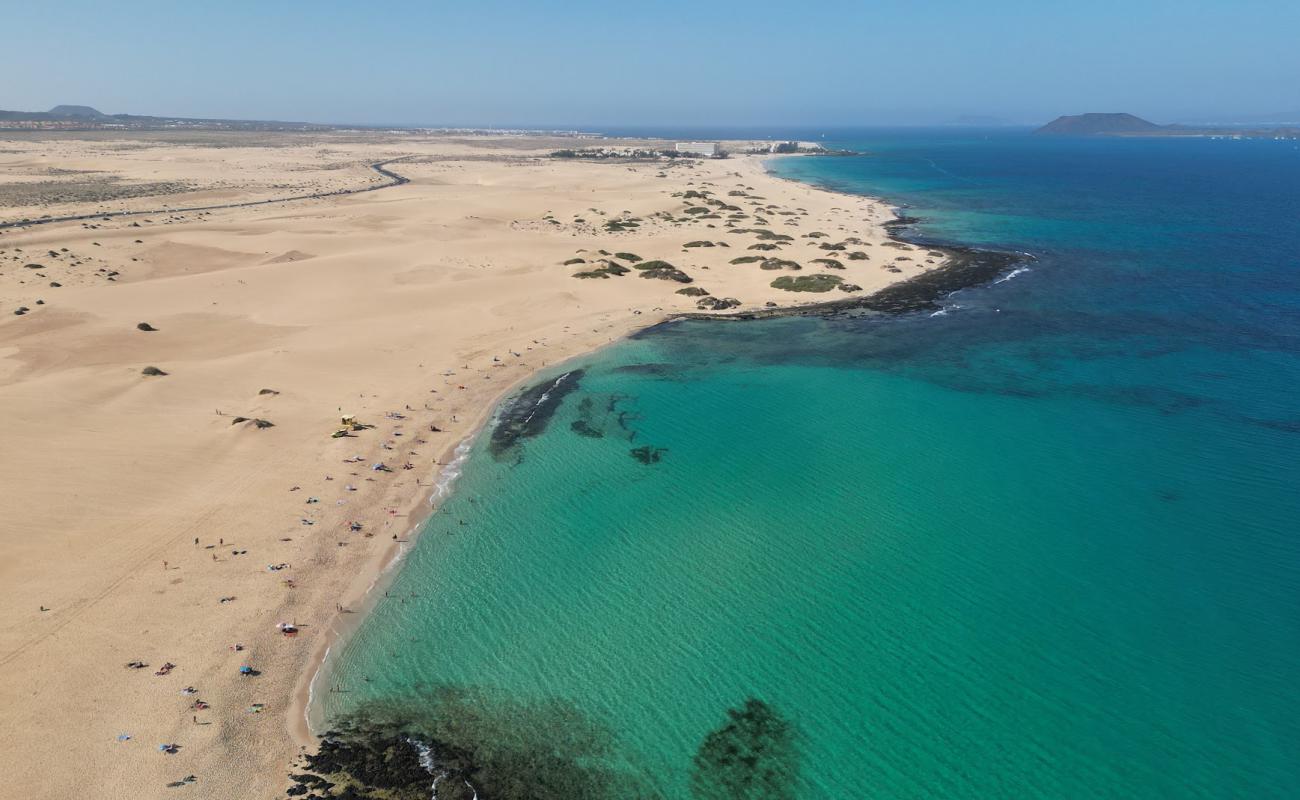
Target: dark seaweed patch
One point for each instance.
(530, 411)
(583, 428)
(583, 424)
(753, 756)
(598, 414)
(647, 454)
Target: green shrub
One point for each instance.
(807, 283)
(664, 272)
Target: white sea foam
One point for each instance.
(1013, 273)
(541, 400)
(311, 688)
(426, 761)
(448, 474)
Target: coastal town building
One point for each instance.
(706, 149)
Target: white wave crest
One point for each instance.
(1013, 273)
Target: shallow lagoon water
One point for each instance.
(1040, 545)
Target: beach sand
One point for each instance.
(133, 504)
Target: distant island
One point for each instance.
(1121, 124)
(1095, 124)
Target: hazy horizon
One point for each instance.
(725, 64)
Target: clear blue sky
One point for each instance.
(704, 62)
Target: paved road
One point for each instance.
(380, 166)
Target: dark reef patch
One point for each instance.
(474, 741)
(529, 412)
(471, 742)
(967, 267)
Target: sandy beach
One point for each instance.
(180, 518)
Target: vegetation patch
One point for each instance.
(575, 261)
(693, 291)
(699, 243)
(829, 263)
(780, 263)
(662, 270)
(746, 259)
(807, 283)
(629, 257)
(608, 269)
(716, 303)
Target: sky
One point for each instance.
(583, 64)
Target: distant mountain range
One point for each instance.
(1129, 125)
(70, 117)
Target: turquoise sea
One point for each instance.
(1044, 544)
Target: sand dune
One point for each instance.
(133, 504)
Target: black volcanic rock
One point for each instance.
(1094, 124)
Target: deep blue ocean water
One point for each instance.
(1041, 544)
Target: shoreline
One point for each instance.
(384, 572)
(964, 267)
